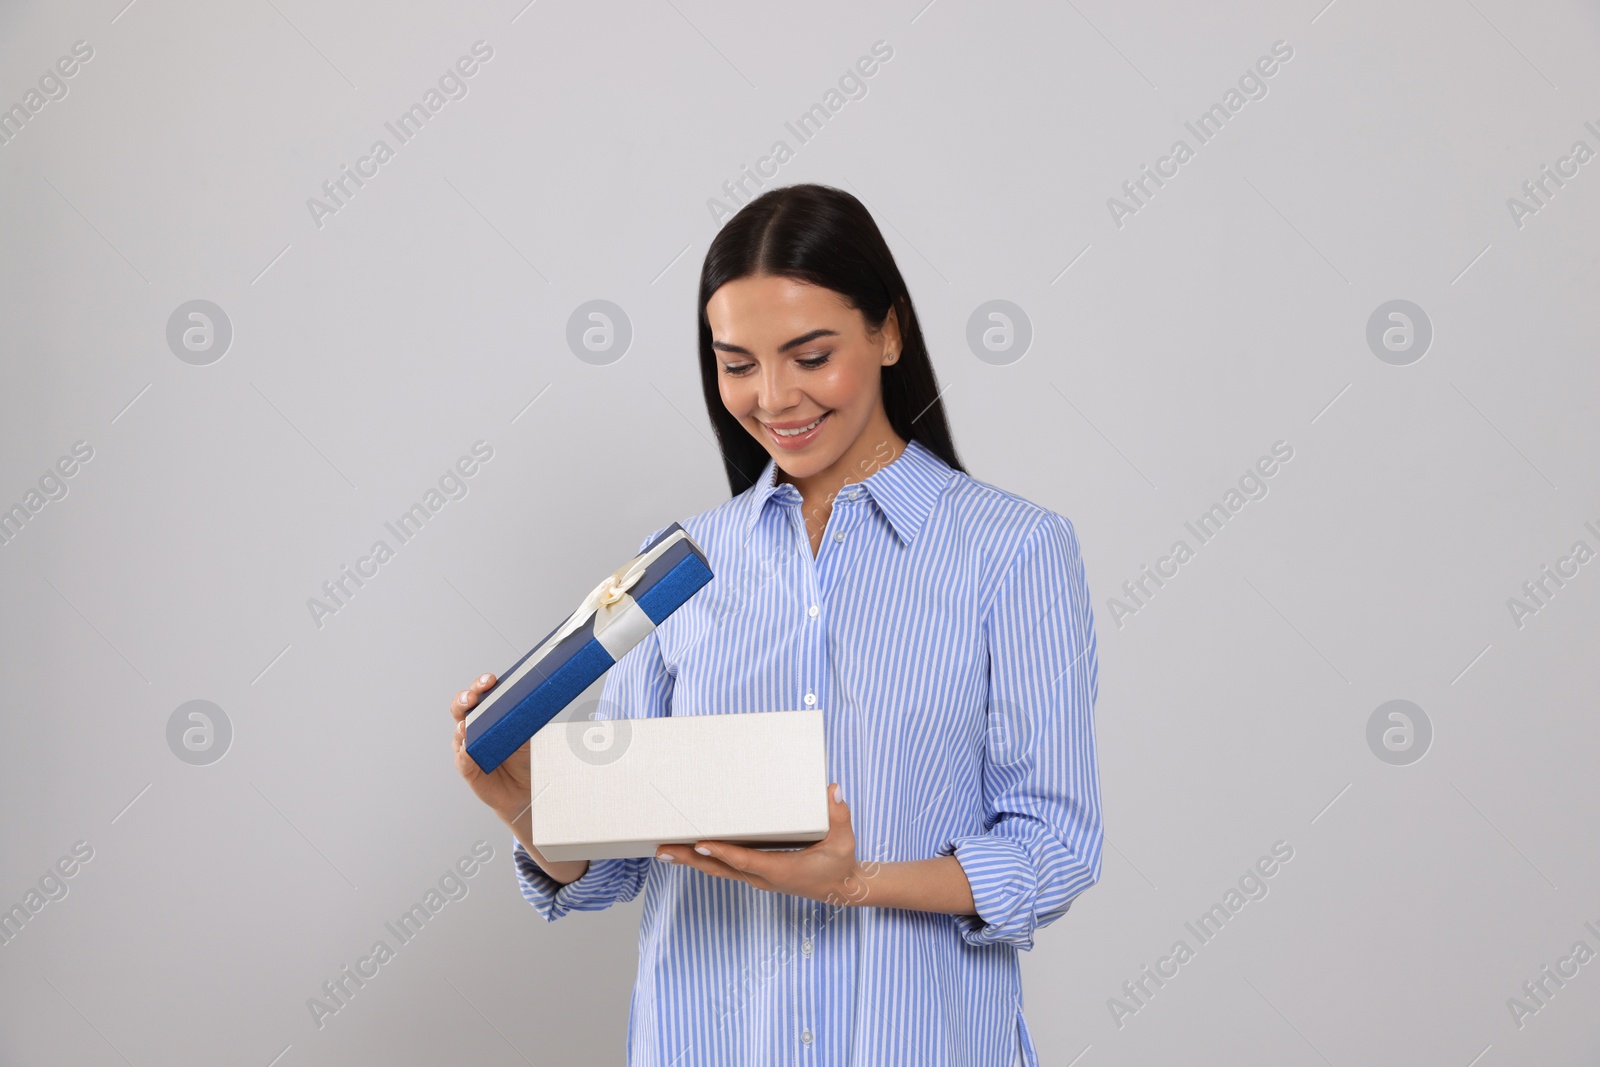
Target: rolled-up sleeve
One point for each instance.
(638, 687)
(605, 883)
(1041, 784)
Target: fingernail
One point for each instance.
(838, 794)
(465, 696)
(483, 680)
(664, 857)
(702, 850)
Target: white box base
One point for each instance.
(612, 789)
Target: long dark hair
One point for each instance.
(823, 236)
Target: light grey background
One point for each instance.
(1228, 313)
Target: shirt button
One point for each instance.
(811, 698)
(812, 611)
(839, 536)
(805, 1037)
(805, 948)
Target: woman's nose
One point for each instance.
(777, 392)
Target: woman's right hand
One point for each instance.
(507, 789)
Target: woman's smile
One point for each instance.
(793, 436)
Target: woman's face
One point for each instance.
(796, 357)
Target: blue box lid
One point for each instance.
(511, 713)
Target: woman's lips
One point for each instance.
(792, 443)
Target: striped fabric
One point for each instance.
(945, 629)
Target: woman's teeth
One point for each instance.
(797, 432)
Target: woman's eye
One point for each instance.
(815, 361)
(737, 369)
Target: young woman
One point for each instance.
(942, 624)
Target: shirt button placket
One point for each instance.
(806, 1001)
(814, 669)
(812, 665)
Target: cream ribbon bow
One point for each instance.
(602, 601)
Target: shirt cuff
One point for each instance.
(1004, 885)
(599, 887)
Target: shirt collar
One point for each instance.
(904, 491)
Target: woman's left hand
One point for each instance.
(825, 871)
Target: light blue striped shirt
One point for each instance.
(945, 629)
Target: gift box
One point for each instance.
(615, 616)
(613, 788)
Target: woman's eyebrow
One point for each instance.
(723, 346)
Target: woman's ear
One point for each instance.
(891, 337)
